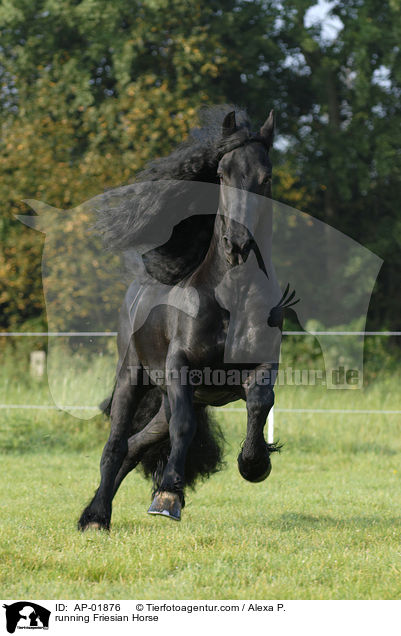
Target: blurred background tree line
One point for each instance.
(90, 90)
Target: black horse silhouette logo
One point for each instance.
(27, 615)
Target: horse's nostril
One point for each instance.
(241, 250)
(247, 247)
(228, 245)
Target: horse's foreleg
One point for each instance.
(155, 431)
(254, 459)
(182, 426)
(127, 394)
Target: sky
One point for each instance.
(320, 14)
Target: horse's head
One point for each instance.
(244, 168)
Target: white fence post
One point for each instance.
(270, 426)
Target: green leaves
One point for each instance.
(92, 90)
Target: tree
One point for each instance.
(347, 138)
(91, 91)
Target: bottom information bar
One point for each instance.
(145, 616)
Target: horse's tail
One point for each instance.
(148, 407)
(204, 457)
(205, 454)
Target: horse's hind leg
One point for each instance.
(254, 459)
(155, 431)
(127, 394)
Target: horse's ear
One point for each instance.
(40, 222)
(31, 221)
(229, 124)
(267, 130)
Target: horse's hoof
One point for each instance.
(93, 525)
(254, 471)
(92, 521)
(167, 504)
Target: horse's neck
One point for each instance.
(215, 265)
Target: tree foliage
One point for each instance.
(91, 90)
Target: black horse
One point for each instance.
(164, 425)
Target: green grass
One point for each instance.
(325, 525)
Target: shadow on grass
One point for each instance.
(289, 521)
(370, 447)
(309, 444)
(51, 433)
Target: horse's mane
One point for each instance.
(129, 213)
(197, 157)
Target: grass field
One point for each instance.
(325, 525)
